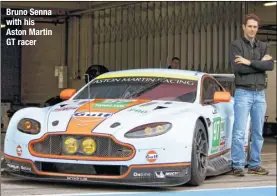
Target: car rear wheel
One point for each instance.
(199, 155)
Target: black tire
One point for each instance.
(199, 156)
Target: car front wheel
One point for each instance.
(199, 155)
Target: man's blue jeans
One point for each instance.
(253, 103)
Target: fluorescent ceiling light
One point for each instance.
(3, 26)
(270, 3)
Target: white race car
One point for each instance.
(143, 127)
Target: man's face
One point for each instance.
(250, 29)
(175, 64)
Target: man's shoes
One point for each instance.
(238, 172)
(259, 170)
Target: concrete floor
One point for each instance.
(15, 187)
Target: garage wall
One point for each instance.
(268, 16)
(79, 49)
(271, 90)
(38, 64)
(10, 70)
(149, 34)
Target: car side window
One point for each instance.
(218, 87)
(209, 88)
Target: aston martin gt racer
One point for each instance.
(143, 127)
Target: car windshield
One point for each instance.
(147, 88)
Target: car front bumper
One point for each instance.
(151, 175)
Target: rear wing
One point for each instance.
(224, 77)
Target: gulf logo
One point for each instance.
(19, 150)
(151, 156)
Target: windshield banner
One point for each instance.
(145, 80)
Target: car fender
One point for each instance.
(38, 114)
(189, 123)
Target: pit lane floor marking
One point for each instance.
(246, 191)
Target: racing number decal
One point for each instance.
(218, 128)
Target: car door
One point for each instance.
(221, 117)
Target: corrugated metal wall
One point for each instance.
(149, 34)
(10, 69)
(80, 45)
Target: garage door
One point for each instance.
(149, 34)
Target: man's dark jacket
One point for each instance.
(252, 77)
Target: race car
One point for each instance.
(142, 127)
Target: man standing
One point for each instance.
(250, 61)
(175, 63)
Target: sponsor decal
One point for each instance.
(164, 174)
(223, 141)
(145, 80)
(141, 174)
(65, 109)
(19, 150)
(25, 169)
(138, 111)
(82, 125)
(93, 114)
(159, 174)
(218, 128)
(115, 104)
(13, 166)
(18, 167)
(151, 156)
(76, 178)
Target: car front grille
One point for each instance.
(106, 147)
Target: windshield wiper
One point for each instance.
(147, 87)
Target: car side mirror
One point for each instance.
(67, 93)
(222, 97)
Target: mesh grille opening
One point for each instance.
(106, 147)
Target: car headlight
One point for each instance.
(29, 126)
(70, 145)
(149, 130)
(88, 146)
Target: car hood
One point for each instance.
(104, 115)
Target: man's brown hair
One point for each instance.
(251, 16)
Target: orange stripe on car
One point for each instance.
(83, 125)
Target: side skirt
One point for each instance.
(218, 165)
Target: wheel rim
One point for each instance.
(201, 152)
